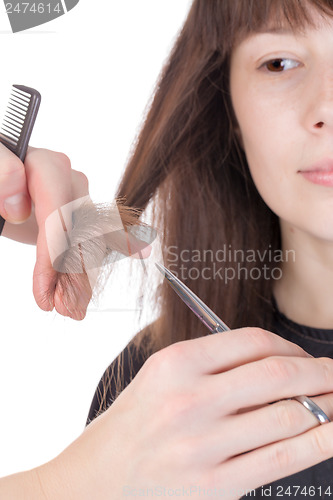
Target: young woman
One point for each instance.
(236, 154)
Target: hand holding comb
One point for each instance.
(18, 122)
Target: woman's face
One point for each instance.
(282, 93)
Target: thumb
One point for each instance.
(15, 202)
(17, 208)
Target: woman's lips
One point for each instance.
(320, 173)
(323, 177)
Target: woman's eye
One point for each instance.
(279, 65)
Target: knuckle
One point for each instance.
(160, 361)
(329, 405)
(150, 362)
(263, 339)
(41, 155)
(279, 368)
(327, 366)
(164, 365)
(320, 444)
(174, 353)
(62, 159)
(82, 178)
(11, 166)
(289, 418)
(281, 457)
(159, 375)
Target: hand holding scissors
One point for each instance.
(216, 325)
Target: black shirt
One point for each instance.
(315, 482)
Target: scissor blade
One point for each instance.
(200, 309)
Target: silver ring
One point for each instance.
(313, 408)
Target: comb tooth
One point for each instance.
(22, 105)
(20, 115)
(21, 94)
(15, 116)
(17, 112)
(18, 105)
(16, 132)
(8, 139)
(15, 108)
(13, 120)
(20, 91)
(10, 131)
(16, 123)
(9, 136)
(17, 102)
(8, 120)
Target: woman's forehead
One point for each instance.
(274, 14)
(279, 22)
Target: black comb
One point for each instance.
(18, 123)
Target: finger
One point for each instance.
(269, 380)
(26, 232)
(49, 178)
(75, 286)
(73, 289)
(15, 202)
(269, 424)
(223, 351)
(275, 461)
(80, 184)
(49, 181)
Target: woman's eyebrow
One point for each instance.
(255, 34)
(277, 30)
(288, 30)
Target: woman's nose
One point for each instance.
(320, 111)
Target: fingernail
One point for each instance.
(14, 207)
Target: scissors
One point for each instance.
(200, 309)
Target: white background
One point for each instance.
(95, 67)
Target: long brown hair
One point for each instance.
(188, 162)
